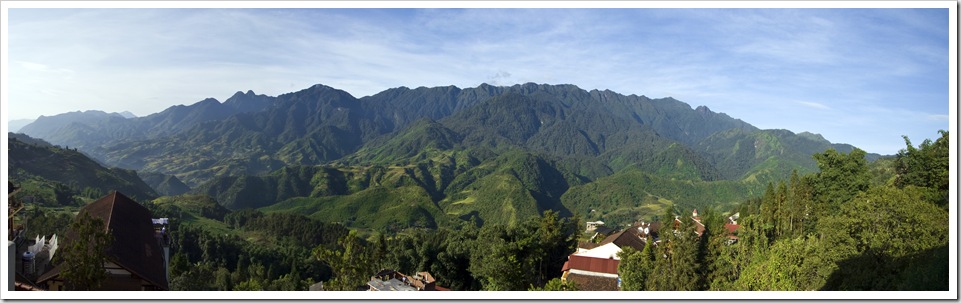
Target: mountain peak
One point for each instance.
(249, 93)
(208, 101)
(127, 114)
(812, 136)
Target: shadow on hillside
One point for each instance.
(925, 271)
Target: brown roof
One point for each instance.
(699, 229)
(134, 246)
(585, 282)
(604, 230)
(599, 265)
(731, 228)
(586, 245)
(629, 237)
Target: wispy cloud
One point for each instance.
(814, 105)
(751, 64)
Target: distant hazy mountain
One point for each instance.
(127, 114)
(91, 130)
(15, 125)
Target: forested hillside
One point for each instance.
(57, 176)
(816, 231)
(836, 229)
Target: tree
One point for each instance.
(684, 257)
(878, 235)
(352, 264)
(842, 176)
(925, 166)
(250, 285)
(724, 268)
(556, 284)
(557, 239)
(84, 253)
(662, 277)
(676, 267)
(636, 266)
(500, 264)
(200, 277)
(223, 279)
(453, 263)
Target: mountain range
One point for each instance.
(431, 156)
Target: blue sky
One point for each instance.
(858, 76)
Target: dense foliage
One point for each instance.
(247, 250)
(832, 230)
(250, 250)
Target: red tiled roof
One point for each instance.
(599, 265)
(731, 228)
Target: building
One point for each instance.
(135, 259)
(596, 268)
(37, 256)
(591, 226)
(16, 240)
(391, 280)
(649, 230)
(699, 227)
(731, 227)
(602, 231)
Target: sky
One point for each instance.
(859, 76)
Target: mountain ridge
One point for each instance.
(450, 151)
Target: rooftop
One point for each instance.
(134, 244)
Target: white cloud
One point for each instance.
(814, 105)
(45, 69)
